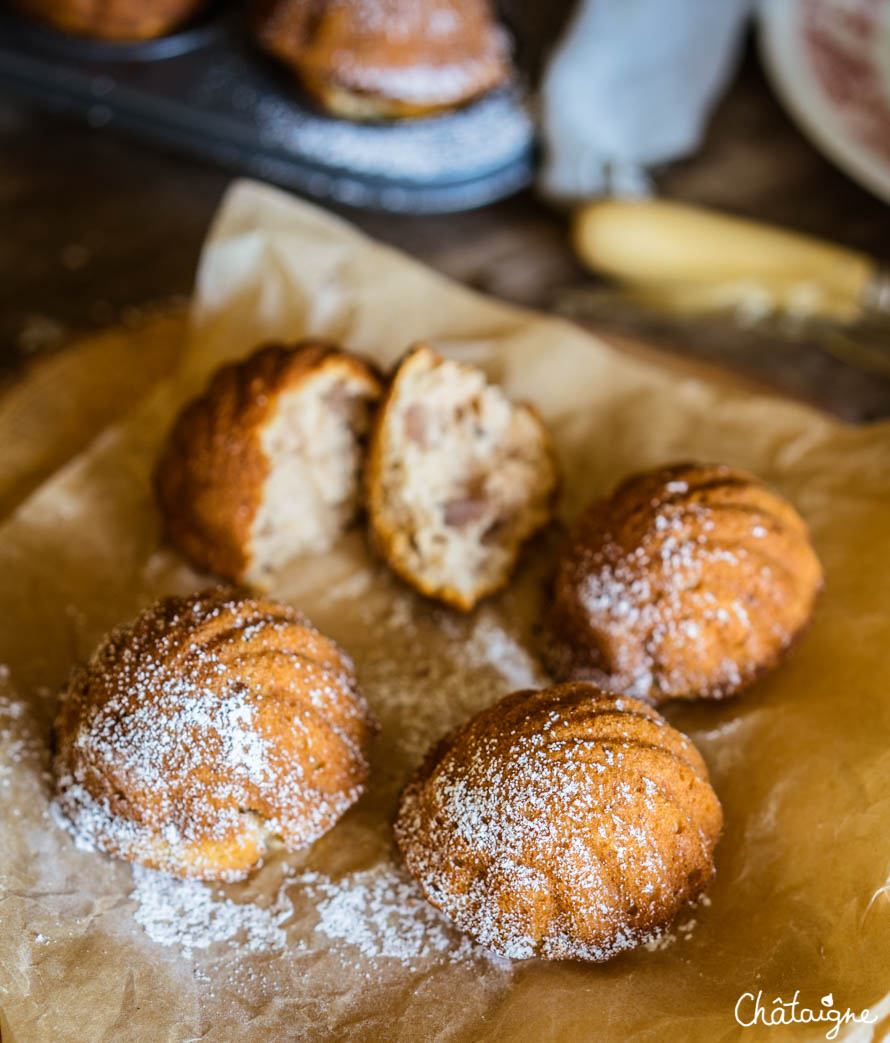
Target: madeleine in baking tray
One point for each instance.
(565, 823)
(458, 477)
(385, 59)
(689, 581)
(117, 20)
(210, 727)
(265, 464)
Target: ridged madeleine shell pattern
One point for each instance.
(208, 726)
(565, 823)
(690, 581)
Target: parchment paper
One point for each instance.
(801, 763)
(64, 400)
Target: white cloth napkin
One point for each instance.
(630, 85)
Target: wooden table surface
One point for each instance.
(97, 228)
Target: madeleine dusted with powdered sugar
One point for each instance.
(688, 582)
(265, 464)
(385, 59)
(564, 823)
(206, 729)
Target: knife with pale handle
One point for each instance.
(686, 267)
(691, 259)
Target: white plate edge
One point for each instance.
(791, 79)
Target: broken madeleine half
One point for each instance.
(458, 477)
(266, 463)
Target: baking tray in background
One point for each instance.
(207, 91)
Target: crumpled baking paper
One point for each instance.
(344, 947)
(69, 396)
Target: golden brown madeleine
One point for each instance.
(382, 59)
(457, 478)
(266, 463)
(208, 727)
(119, 20)
(564, 823)
(689, 582)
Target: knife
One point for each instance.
(676, 262)
(673, 249)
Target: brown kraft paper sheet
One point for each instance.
(335, 942)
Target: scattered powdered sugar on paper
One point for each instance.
(491, 645)
(683, 930)
(18, 742)
(190, 915)
(420, 691)
(379, 911)
(14, 746)
(383, 913)
(416, 696)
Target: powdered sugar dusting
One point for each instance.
(491, 645)
(419, 84)
(438, 54)
(19, 743)
(155, 738)
(384, 914)
(419, 694)
(493, 129)
(11, 713)
(380, 912)
(189, 915)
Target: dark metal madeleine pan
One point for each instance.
(208, 92)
